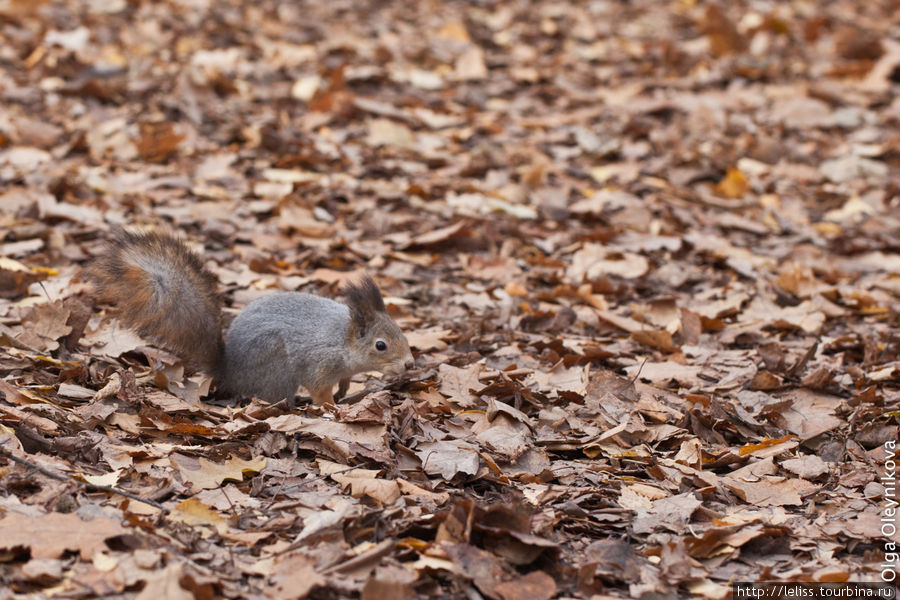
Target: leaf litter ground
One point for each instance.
(646, 254)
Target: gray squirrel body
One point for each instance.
(262, 341)
(277, 344)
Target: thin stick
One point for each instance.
(84, 484)
(374, 553)
(636, 375)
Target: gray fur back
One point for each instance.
(283, 329)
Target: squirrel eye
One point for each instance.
(380, 345)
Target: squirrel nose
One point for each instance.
(409, 364)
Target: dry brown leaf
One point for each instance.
(594, 261)
(671, 514)
(158, 141)
(51, 535)
(806, 466)
(408, 488)
(770, 491)
(459, 384)
(294, 578)
(367, 482)
(655, 338)
(427, 340)
(203, 474)
(454, 30)
(165, 583)
(448, 457)
(536, 585)
(810, 413)
(470, 65)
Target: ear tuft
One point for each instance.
(365, 296)
(365, 302)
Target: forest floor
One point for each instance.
(647, 256)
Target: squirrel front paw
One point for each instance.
(343, 386)
(322, 396)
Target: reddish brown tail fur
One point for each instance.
(163, 292)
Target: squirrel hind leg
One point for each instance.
(252, 367)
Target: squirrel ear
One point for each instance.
(364, 300)
(360, 319)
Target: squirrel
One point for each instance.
(275, 345)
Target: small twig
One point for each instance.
(46, 293)
(357, 396)
(488, 375)
(369, 555)
(317, 478)
(801, 362)
(84, 484)
(236, 523)
(371, 386)
(161, 492)
(230, 503)
(636, 375)
(277, 492)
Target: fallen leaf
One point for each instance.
(51, 535)
(806, 466)
(165, 583)
(294, 578)
(192, 512)
(536, 585)
(203, 474)
(733, 185)
(594, 261)
(448, 457)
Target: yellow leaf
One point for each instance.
(194, 512)
(827, 228)
(516, 290)
(210, 475)
(455, 30)
(734, 184)
(765, 443)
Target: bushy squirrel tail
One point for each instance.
(165, 294)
